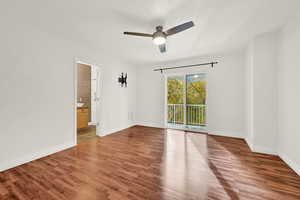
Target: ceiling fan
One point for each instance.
(159, 37)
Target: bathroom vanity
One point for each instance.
(82, 117)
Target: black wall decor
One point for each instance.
(123, 80)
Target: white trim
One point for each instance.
(166, 101)
(75, 101)
(201, 129)
(80, 62)
(292, 164)
(153, 125)
(226, 134)
(114, 130)
(264, 150)
(157, 125)
(184, 99)
(259, 149)
(35, 156)
(249, 142)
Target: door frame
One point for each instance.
(97, 93)
(184, 95)
(76, 62)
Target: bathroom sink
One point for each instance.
(80, 105)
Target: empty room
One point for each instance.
(150, 100)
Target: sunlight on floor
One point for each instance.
(187, 151)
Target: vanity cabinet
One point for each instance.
(82, 117)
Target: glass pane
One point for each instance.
(195, 99)
(176, 99)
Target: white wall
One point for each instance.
(37, 91)
(226, 94)
(118, 104)
(288, 95)
(150, 97)
(226, 97)
(261, 97)
(272, 97)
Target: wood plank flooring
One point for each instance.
(148, 163)
(86, 134)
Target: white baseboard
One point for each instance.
(249, 142)
(225, 133)
(154, 125)
(295, 166)
(260, 149)
(284, 157)
(114, 130)
(28, 158)
(35, 156)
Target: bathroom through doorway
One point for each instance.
(87, 101)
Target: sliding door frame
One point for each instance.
(166, 76)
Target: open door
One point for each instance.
(95, 95)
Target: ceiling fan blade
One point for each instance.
(180, 28)
(138, 34)
(162, 48)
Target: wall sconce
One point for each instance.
(123, 80)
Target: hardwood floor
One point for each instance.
(148, 163)
(86, 134)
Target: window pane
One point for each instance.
(196, 89)
(175, 90)
(176, 99)
(195, 99)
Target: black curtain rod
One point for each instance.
(185, 66)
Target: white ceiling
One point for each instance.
(220, 25)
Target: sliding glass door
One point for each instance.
(186, 101)
(176, 100)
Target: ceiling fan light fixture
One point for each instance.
(159, 38)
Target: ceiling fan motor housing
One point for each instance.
(159, 28)
(159, 34)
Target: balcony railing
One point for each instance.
(195, 114)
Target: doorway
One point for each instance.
(87, 101)
(186, 101)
